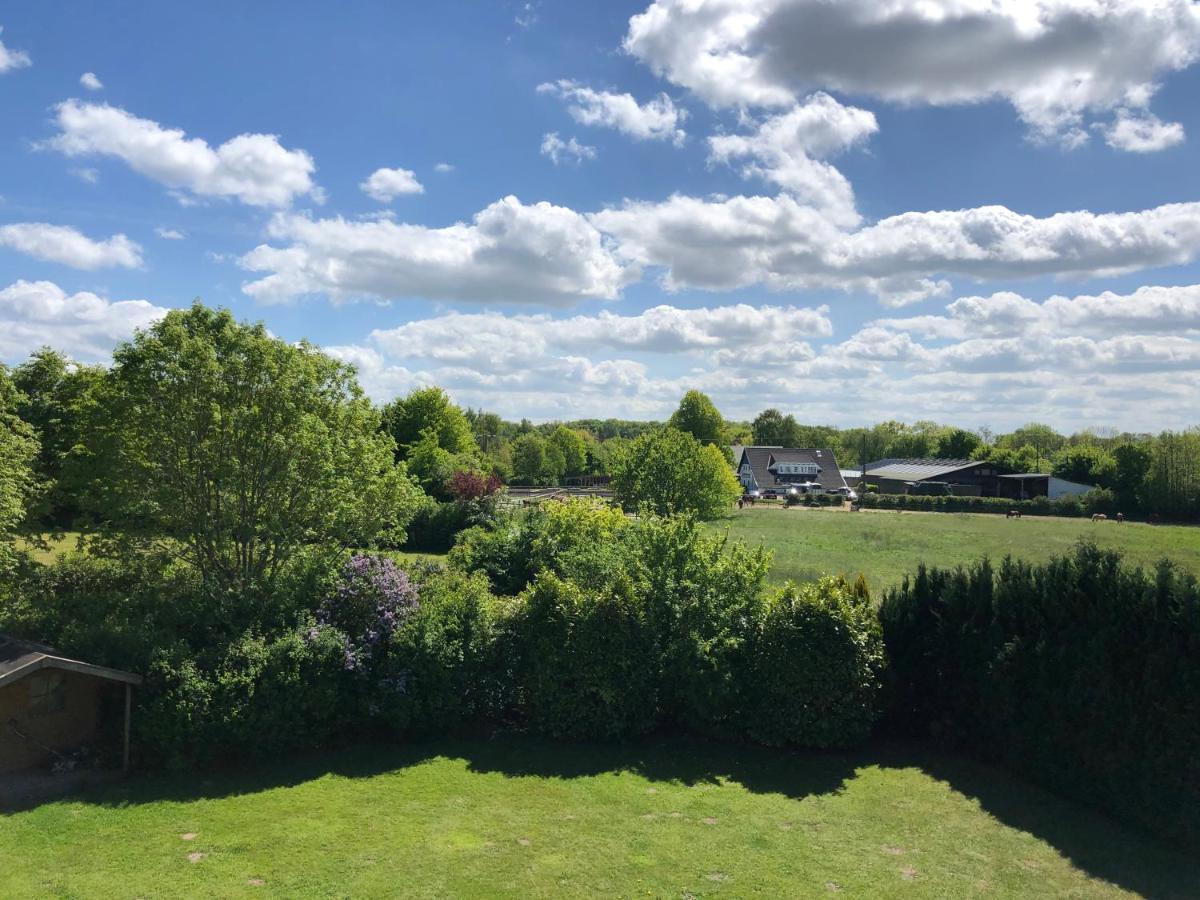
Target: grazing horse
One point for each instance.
(1013, 514)
(1099, 517)
(1120, 518)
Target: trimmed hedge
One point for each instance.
(1096, 501)
(1082, 673)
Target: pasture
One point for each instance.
(887, 545)
(517, 817)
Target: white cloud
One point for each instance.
(561, 151)
(657, 119)
(12, 59)
(787, 150)
(1142, 133)
(169, 234)
(1055, 61)
(62, 244)
(443, 167)
(535, 254)
(742, 241)
(91, 82)
(83, 326)
(253, 168)
(91, 176)
(385, 185)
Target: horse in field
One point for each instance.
(1013, 514)
(1120, 518)
(1099, 517)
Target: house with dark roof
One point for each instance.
(778, 468)
(51, 705)
(966, 477)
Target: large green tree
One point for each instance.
(1085, 464)
(571, 445)
(698, 416)
(669, 471)
(771, 428)
(234, 450)
(428, 409)
(18, 453)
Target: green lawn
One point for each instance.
(885, 546)
(517, 817)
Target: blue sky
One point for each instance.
(981, 213)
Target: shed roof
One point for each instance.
(21, 658)
(917, 469)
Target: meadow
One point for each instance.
(512, 816)
(887, 545)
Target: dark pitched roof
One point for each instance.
(763, 462)
(21, 658)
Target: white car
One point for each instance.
(849, 493)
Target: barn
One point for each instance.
(51, 705)
(966, 477)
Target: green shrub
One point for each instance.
(1070, 506)
(446, 668)
(1082, 673)
(813, 667)
(587, 660)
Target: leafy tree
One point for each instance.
(18, 452)
(571, 445)
(1132, 466)
(54, 394)
(529, 458)
(1085, 464)
(957, 444)
(669, 471)
(771, 428)
(424, 409)
(1005, 460)
(234, 450)
(430, 464)
(698, 416)
(1044, 440)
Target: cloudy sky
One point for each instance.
(976, 211)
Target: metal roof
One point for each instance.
(917, 469)
(21, 658)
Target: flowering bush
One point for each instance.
(373, 598)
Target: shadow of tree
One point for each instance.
(1094, 843)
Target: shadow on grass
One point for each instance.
(1094, 843)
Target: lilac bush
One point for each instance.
(374, 597)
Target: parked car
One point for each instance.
(849, 493)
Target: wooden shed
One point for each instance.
(51, 705)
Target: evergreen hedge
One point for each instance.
(1082, 673)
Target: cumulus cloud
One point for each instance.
(62, 244)
(737, 242)
(657, 119)
(386, 185)
(535, 254)
(1056, 61)
(1142, 133)
(169, 234)
(91, 82)
(84, 326)
(788, 149)
(12, 59)
(561, 151)
(1135, 364)
(443, 167)
(253, 168)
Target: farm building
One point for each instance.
(51, 705)
(1038, 484)
(775, 468)
(966, 477)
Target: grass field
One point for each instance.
(517, 817)
(885, 546)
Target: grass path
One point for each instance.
(514, 817)
(885, 546)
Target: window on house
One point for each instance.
(47, 694)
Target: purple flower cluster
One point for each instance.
(374, 598)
